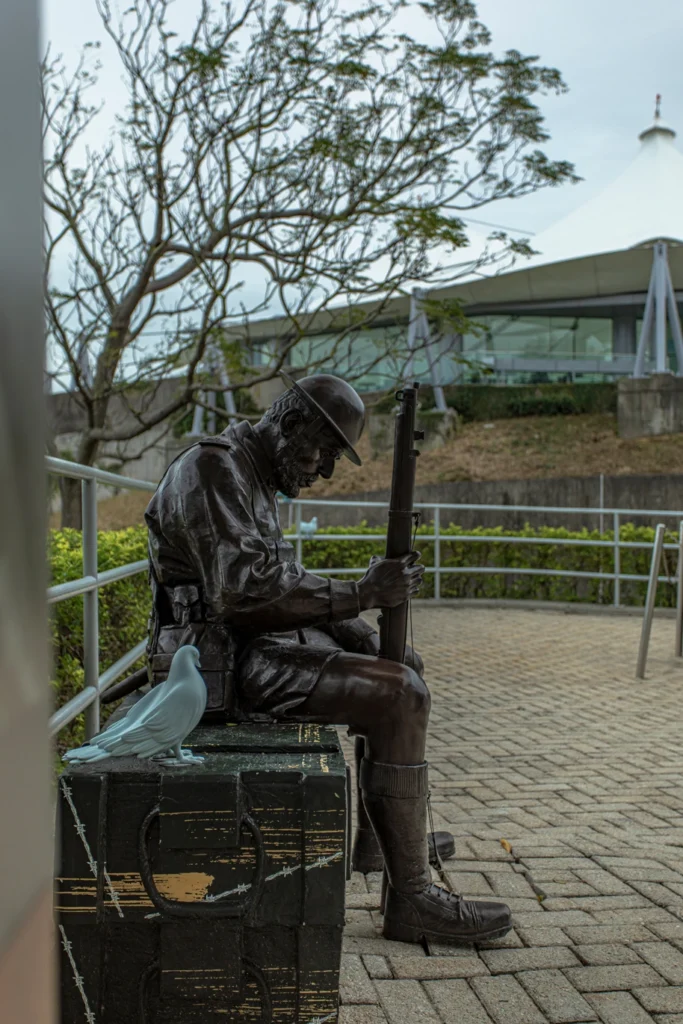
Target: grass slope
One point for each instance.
(510, 449)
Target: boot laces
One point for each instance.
(447, 895)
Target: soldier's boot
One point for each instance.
(367, 855)
(416, 910)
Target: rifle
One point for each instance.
(393, 623)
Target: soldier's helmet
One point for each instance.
(337, 404)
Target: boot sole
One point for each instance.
(404, 933)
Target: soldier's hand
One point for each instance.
(390, 582)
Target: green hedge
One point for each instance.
(455, 553)
(124, 606)
(123, 610)
(495, 402)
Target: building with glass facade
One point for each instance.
(573, 312)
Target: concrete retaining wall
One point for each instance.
(627, 492)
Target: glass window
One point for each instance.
(376, 358)
(371, 359)
(542, 337)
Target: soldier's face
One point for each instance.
(310, 458)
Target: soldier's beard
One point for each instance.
(290, 478)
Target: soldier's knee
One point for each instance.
(415, 698)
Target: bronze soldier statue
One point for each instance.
(282, 644)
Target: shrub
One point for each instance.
(459, 553)
(499, 402)
(559, 403)
(123, 610)
(491, 402)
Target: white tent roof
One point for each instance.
(644, 204)
(602, 248)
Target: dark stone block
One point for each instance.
(185, 892)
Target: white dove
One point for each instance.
(308, 529)
(159, 722)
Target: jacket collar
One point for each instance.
(245, 436)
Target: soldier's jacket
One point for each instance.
(218, 555)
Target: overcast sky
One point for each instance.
(615, 55)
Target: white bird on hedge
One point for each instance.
(308, 529)
(159, 722)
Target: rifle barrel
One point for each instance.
(394, 621)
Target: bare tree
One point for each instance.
(306, 153)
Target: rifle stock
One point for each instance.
(393, 623)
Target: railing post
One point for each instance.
(91, 639)
(617, 561)
(650, 600)
(297, 521)
(437, 554)
(679, 594)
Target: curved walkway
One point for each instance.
(542, 737)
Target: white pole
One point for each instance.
(91, 629)
(601, 530)
(297, 520)
(660, 309)
(617, 560)
(419, 329)
(228, 395)
(674, 318)
(646, 329)
(437, 554)
(679, 595)
(439, 399)
(198, 419)
(657, 548)
(211, 418)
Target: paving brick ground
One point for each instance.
(542, 736)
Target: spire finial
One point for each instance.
(658, 129)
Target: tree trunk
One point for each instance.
(72, 513)
(71, 503)
(88, 447)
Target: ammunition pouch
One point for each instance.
(215, 641)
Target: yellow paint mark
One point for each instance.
(323, 763)
(185, 887)
(311, 734)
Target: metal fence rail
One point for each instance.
(88, 699)
(617, 516)
(95, 684)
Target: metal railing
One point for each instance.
(616, 545)
(95, 684)
(88, 700)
